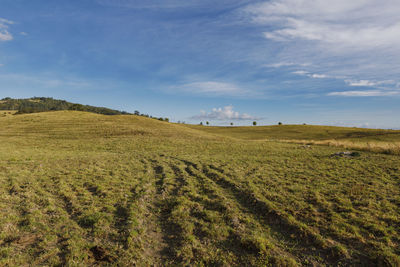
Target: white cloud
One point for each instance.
(5, 35)
(357, 23)
(370, 83)
(286, 64)
(311, 75)
(6, 21)
(212, 88)
(300, 72)
(365, 93)
(319, 76)
(356, 41)
(361, 83)
(223, 114)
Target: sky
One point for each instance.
(290, 61)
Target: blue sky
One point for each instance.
(294, 61)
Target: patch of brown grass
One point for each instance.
(390, 148)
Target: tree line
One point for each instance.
(231, 124)
(137, 113)
(43, 104)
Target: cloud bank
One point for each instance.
(4, 33)
(223, 114)
(358, 24)
(354, 41)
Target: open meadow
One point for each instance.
(83, 189)
(377, 140)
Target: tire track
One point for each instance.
(194, 244)
(135, 219)
(305, 242)
(55, 198)
(65, 195)
(331, 248)
(124, 217)
(94, 190)
(165, 202)
(236, 242)
(60, 199)
(160, 178)
(66, 201)
(251, 205)
(62, 244)
(180, 179)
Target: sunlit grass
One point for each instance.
(373, 146)
(302, 132)
(374, 140)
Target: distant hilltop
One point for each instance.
(43, 104)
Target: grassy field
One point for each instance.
(376, 140)
(302, 132)
(85, 189)
(4, 113)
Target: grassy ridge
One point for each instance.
(86, 189)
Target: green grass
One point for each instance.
(85, 189)
(301, 132)
(375, 140)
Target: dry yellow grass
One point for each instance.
(391, 148)
(374, 140)
(4, 113)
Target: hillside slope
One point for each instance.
(83, 125)
(82, 189)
